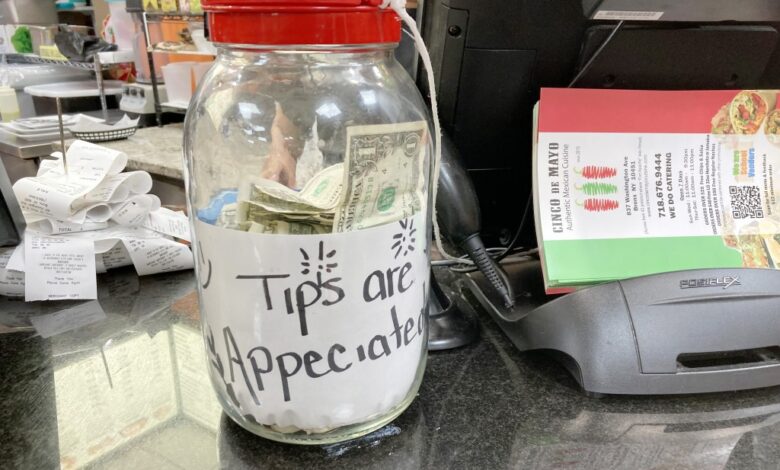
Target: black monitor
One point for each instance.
(491, 57)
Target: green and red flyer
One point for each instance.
(628, 183)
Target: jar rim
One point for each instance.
(305, 48)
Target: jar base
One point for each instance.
(340, 434)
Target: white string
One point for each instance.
(399, 7)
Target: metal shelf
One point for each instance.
(150, 53)
(175, 105)
(171, 14)
(105, 59)
(34, 59)
(185, 52)
(101, 61)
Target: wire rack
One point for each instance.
(34, 59)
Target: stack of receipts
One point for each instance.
(86, 220)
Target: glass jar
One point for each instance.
(308, 170)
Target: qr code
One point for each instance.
(746, 202)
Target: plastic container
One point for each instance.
(50, 52)
(42, 36)
(199, 69)
(199, 39)
(308, 168)
(9, 106)
(120, 28)
(178, 81)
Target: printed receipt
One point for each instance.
(58, 227)
(54, 194)
(170, 223)
(59, 268)
(158, 255)
(149, 251)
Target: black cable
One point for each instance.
(589, 63)
(509, 248)
(490, 269)
(515, 256)
(509, 296)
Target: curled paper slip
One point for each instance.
(61, 196)
(96, 212)
(159, 255)
(150, 252)
(104, 240)
(51, 164)
(52, 198)
(11, 282)
(171, 223)
(135, 210)
(100, 266)
(57, 227)
(16, 261)
(85, 161)
(116, 257)
(117, 188)
(63, 266)
(85, 158)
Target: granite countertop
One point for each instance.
(157, 150)
(125, 386)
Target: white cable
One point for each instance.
(399, 7)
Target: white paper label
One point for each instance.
(628, 15)
(314, 332)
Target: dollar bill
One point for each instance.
(278, 227)
(322, 192)
(384, 179)
(282, 227)
(228, 216)
(249, 211)
(260, 200)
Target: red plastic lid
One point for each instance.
(280, 22)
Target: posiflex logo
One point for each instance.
(723, 282)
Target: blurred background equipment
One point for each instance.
(11, 218)
(28, 11)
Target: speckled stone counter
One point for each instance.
(157, 150)
(129, 390)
